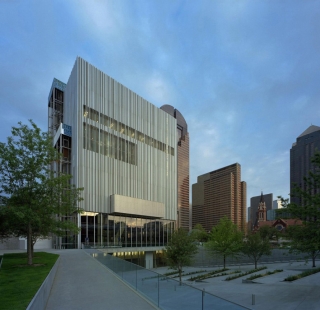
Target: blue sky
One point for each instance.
(245, 74)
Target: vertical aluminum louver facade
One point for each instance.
(124, 156)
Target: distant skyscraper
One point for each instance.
(277, 204)
(182, 164)
(217, 194)
(300, 157)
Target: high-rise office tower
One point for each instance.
(183, 166)
(123, 151)
(219, 193)
(300, 158)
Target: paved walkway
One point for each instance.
(81, 282)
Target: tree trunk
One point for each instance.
(32, 246)
(224, 262)
(180, 271)
(29, 244)
(255, 263)
(313, 260)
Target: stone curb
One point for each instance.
(40, 299)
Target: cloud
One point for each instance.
(244, 74)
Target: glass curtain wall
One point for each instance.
(103, 230)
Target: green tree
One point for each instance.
(32, 196)
(305, 238)
(269, 233)
(198, 233)
(4, 223)
(254, 246)
(180, 250)
(225, 239)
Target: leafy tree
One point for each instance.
(269, 233)
(180, 250)
(254, 246)
(32, 196)
(225, 239)
(305, 238)
(4, 225)
(199, 233)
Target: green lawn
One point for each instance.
(20, 282)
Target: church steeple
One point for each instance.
(262, 210)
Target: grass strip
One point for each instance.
(164, 275)
(245, 273)
(209, 274)
(190, 273)
(219, 275)
(171, 273)
(260, 275)
(19, 282)
(302, 274)
(174, 273)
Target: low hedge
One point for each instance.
(245, 273)
(302, 274)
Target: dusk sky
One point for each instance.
(244, 74)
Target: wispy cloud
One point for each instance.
(245, 74)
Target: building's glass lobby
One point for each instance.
(111, 231)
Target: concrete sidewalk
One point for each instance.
(81, 282)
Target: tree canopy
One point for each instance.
(198, 233)
(305, 238)
(180, 250)
(32, 196)
(269, 233)
(255, 245)
(225, 239)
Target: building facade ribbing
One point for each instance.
(123, 151)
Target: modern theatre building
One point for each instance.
(123, 151)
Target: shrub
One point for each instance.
(302, 275)
(245, 273)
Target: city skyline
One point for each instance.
(244, 74)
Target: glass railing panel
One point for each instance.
(129, 273)
(164, 292)
(175, 295)
(214, 302)
(147, 284)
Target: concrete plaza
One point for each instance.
(270, 292)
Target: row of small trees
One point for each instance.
(226, 240)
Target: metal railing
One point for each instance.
(162, 291)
